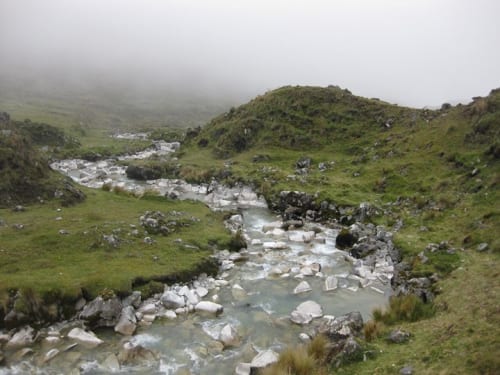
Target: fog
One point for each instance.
(416, 53)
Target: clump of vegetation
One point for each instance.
(373, 329)
(25, 175)
(408, 308)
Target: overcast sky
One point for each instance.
(418, 53)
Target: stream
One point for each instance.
(255, 287)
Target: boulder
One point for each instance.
(127, 322)
(172, 300)
(331, 283)
(131, 354)
(111, 364)
(263, 359)
(242, 369)
(23, 337)
(398, 336)
(307, 271)
(101, 312)
(229, 336)
(275, 245)
(345, 239)
(303, 287)
(148, 308)
(300, 318)
(133, 300)
(343, 326)
(306, 312)
(209, 307)
(87, 339)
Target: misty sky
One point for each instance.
(420, 52)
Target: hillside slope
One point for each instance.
(434, 176)
(25, 175)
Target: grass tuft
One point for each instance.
(408, 308)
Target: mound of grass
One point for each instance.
(25, 176)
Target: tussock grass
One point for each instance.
(403, 308)
(373, 328)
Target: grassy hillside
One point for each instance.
(435, 174)
(25, 176)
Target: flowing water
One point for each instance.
(256, 290)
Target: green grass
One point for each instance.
(40, 258)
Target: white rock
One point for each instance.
(201, 291)
(303, 287)
(264, 359)
(229, 336)
(300, 236)
(276, 232)
(275, 271)
(52, 340)
(308, 308)
(111, 363)
(238, 292)
(127, 323)
(149, 318)
(88, 339)
(306, 271)
(149, 308)
(243, 369)
(192, 297)
(50, 354)
(270, 226)
(170, 314)
(377, 290)
(172, 300)
(275, 245)
(364, 283)
(23, 337)
(221, 283)
(181, 311)
(300, 318)
(256, 242)
(331, 283)
(316, 267)
(209, 307)
(304, 337)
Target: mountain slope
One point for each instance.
(25, 175)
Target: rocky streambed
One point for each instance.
(290, 283)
